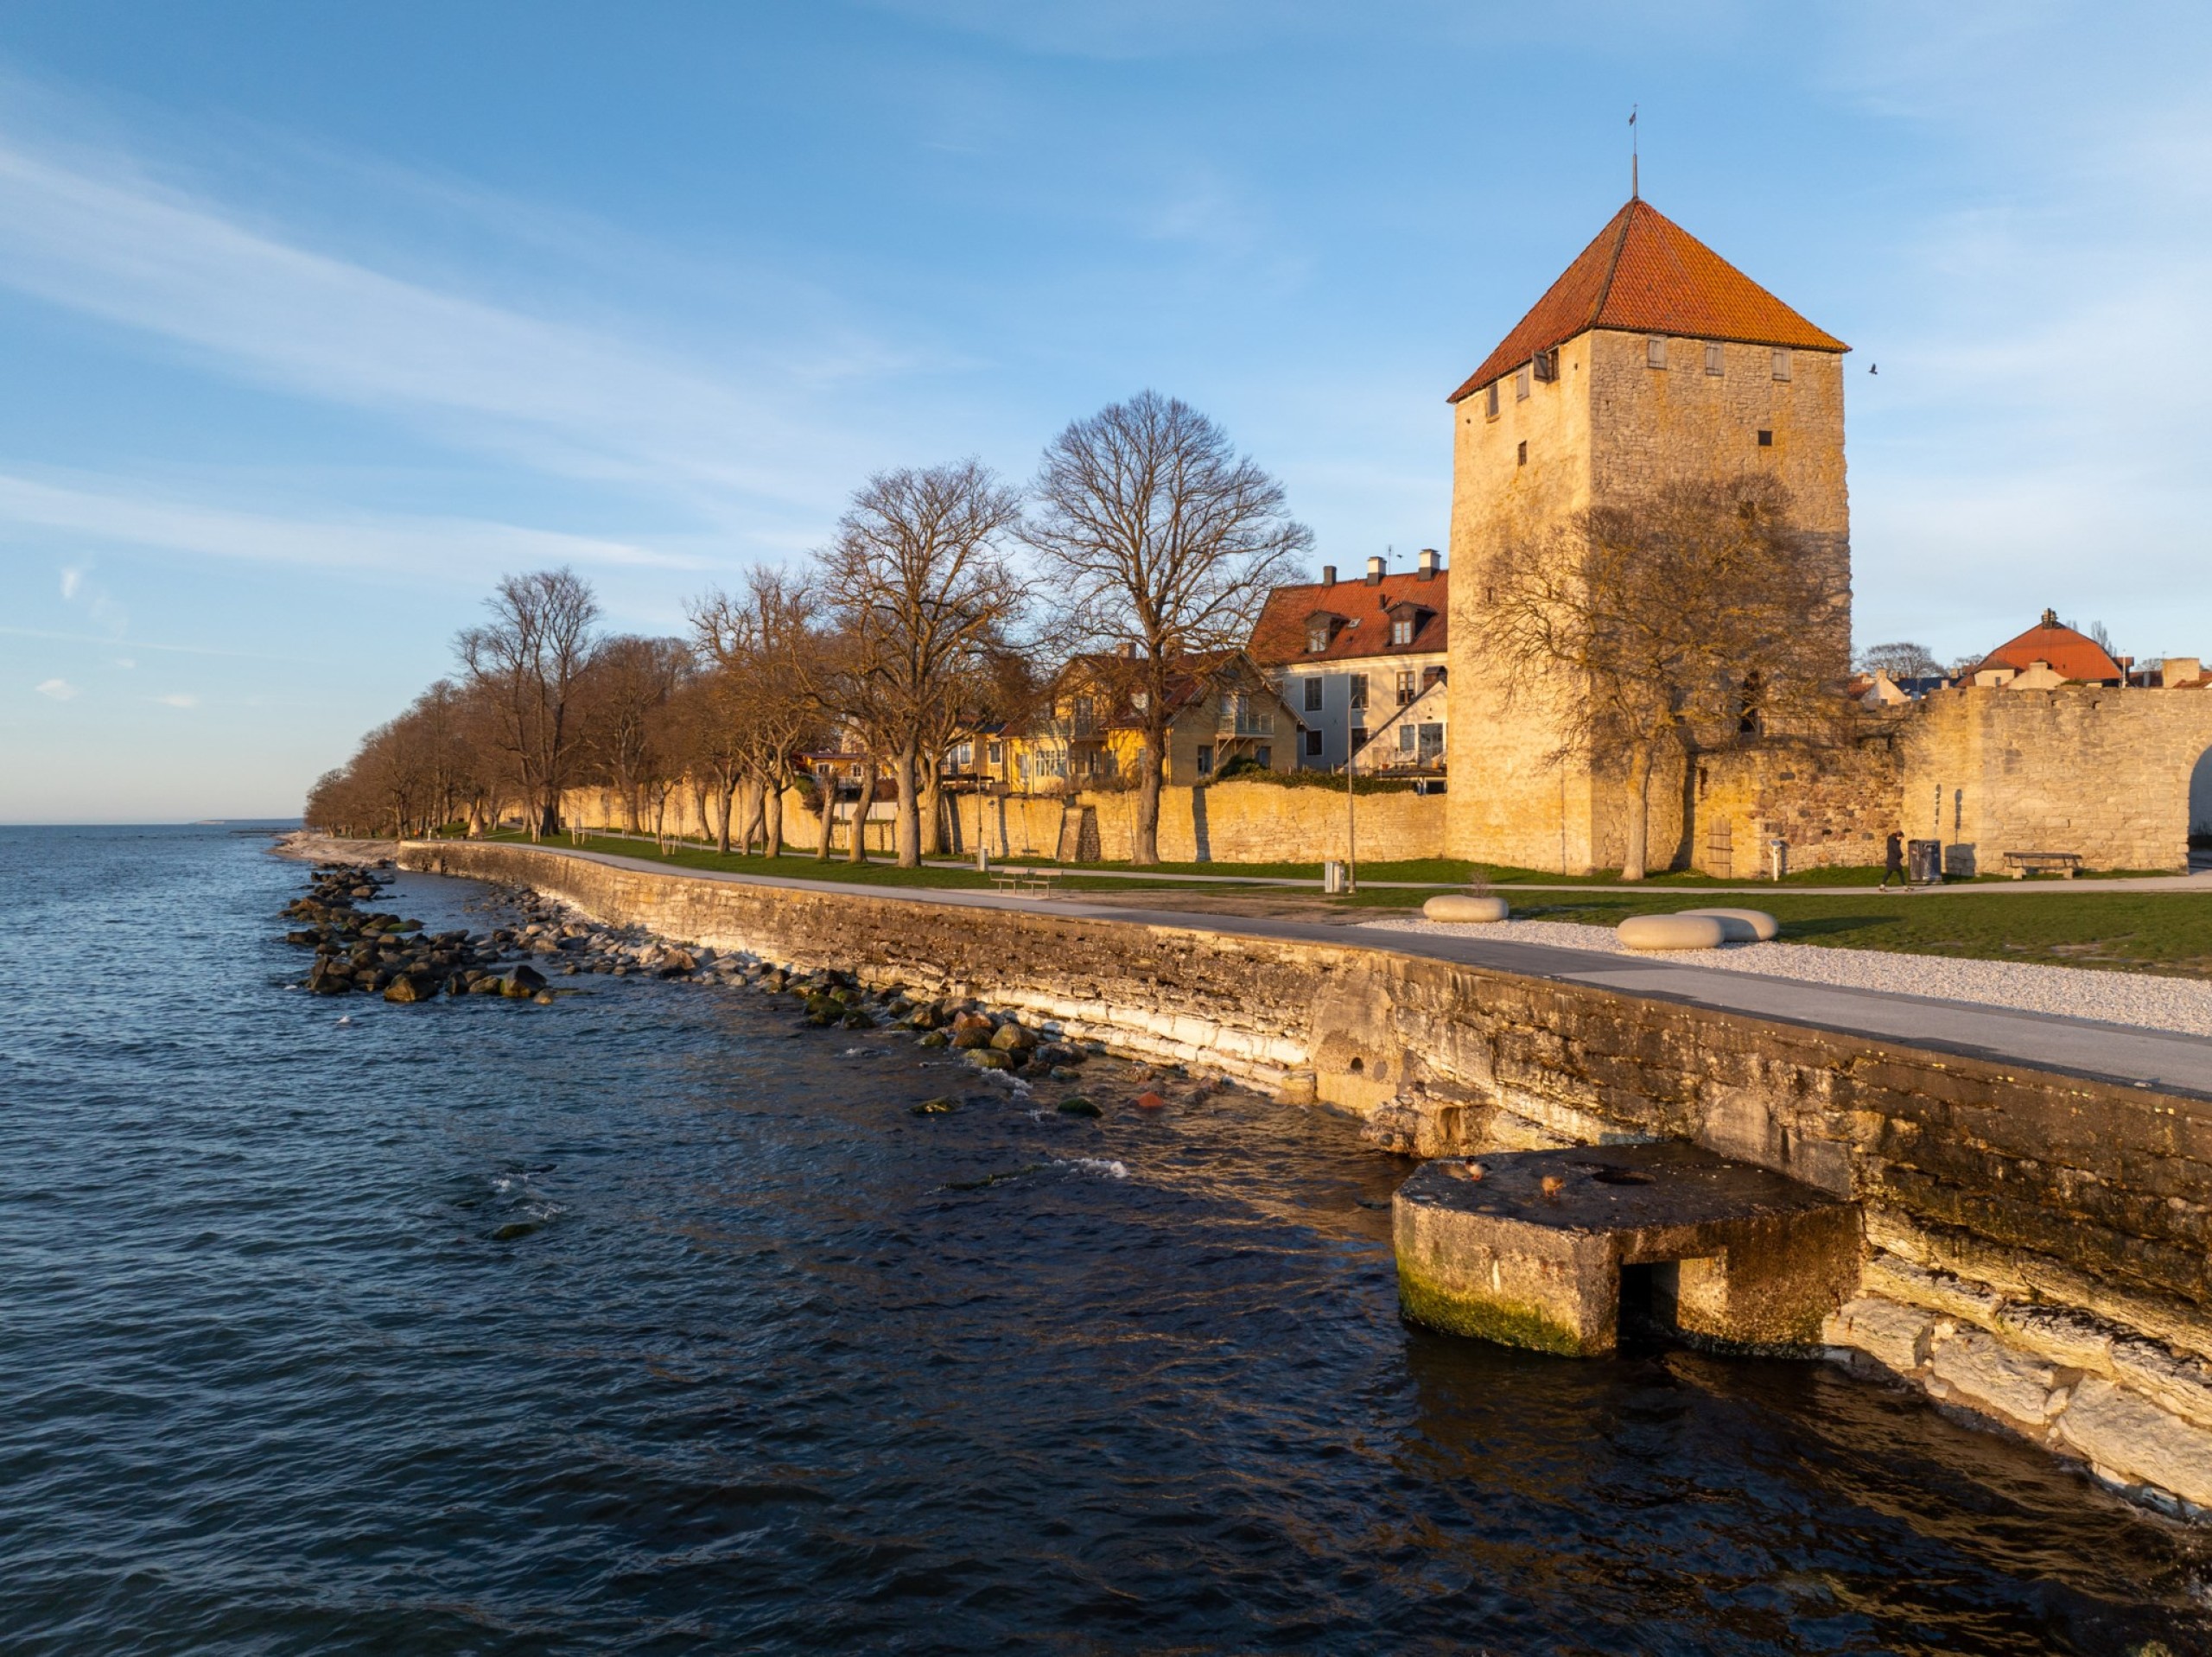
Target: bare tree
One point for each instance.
(1902, 660)
(919, 588)
(1155, 532)
(1696, 615)
(767, 653)
(628, 683)
(525, 664)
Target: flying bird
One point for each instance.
(1873, 368)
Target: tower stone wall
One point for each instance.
(1610, 428)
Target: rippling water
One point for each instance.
(652, 1322)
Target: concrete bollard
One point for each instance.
(1743, 925)
(1671, 933)
(1464, 906)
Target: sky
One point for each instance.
(315, 320)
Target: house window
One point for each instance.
(1401, 631)
(1407, 691)
(1521, 383)
(1713, 359)
(1359, 690)
(964, 755)
(1086, 719)
(1313, 745)
(1766, 438)
(1264, 755)
(1313, 695)
(1205, 759)
(997, 753)
(1490, 402)
(1655, 352)
(1316, 636)
(1406, 737)
(1359, 738)
(1431, 747)
(1521, 456)
(1781, 360)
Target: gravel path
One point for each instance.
(2138, 999)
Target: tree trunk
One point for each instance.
(1144, 850)
(630, 808)
(908, 835)
(856, 850)
(1639, 810)
(932, 810)
(772, 818)
(828, 793)
(729, 809)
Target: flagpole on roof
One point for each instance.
(1635, 184)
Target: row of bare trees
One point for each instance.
(941, 604)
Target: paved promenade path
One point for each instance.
(2110, 1052)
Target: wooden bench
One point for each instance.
(2023, 863)
(1040, 883)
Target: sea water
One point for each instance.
(653, 1321)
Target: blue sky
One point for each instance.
(315, 319)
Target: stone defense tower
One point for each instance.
(1652, 359)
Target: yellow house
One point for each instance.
(1225, 710)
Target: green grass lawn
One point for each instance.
(2139, 931)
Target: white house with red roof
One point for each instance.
(1351, 659)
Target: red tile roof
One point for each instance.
(2074, 655)
(1645, 274)
(1278, 636)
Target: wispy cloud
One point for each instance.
(178, 699)
(468, 548)
(90, 231)
(57, 689)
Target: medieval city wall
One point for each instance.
(2039, 1245)
(2102, 772)
(1835, 807)
(1223, 822)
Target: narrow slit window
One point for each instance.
(1521, 455)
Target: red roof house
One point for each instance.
(2069, 654)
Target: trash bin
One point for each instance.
(1923, 862)
(1777, 859)
(1335, 880)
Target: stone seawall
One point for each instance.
(2038, 1242)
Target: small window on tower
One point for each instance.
(1521, 383)
(1489, 401)
(1766, 440)
(1782, 364)
(1521, 455)
(1655, 352)
(1713, 359)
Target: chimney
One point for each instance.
(1328, 574)
(1127, 650)
(2050, 618)
(1428, 564)
(1374, 571)
(2180, 670)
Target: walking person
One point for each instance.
(1893, 860)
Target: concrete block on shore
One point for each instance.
(1546, 1249)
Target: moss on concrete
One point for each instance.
(1507, 1323)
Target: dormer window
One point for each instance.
(1316, 636)
(1401, 631)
